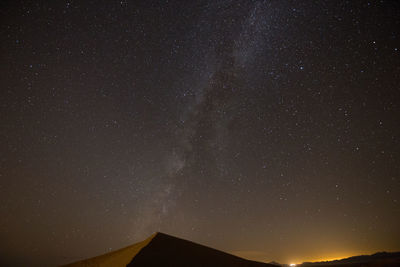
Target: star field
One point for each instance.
(267, 129)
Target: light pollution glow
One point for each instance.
(262, 256)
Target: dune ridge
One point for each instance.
(120, 257)
(164, 250)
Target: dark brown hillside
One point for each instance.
(165, 250)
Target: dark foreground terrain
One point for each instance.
(165, 250)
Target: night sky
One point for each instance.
(268, 129)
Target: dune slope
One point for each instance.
(116, 258)
(165, 250)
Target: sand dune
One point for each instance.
(165, 250)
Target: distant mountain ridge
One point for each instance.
(384, 259)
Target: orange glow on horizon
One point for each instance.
(260, 256)
(263, 256)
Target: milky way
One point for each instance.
(201, 137)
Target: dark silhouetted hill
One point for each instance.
(166, 250)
